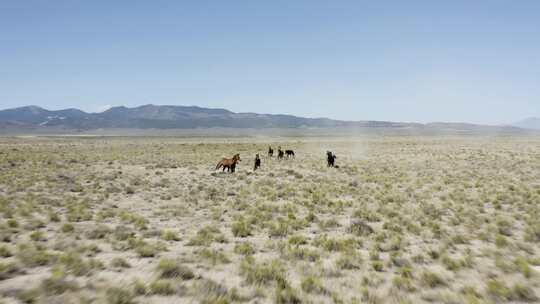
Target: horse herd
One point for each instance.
(288, 153)
(230, 163)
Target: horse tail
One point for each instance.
(219, 165)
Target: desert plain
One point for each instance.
(404, 219)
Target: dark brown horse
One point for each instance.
(257, 162)
(289, 153)
(280, 153)
(331, 159)
(228, 163)
(270, 151)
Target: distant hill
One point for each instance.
(34, 119)
(167, 117)
(529, 123)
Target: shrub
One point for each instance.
(29, 296)
(8, 270)
(450, 263)
(120, 263)
(32, 257)
(523, 266)
(498, 290)
(5, 252)
(56, 285)
(331, 244)
(169, 235)
(122, 233)
(360, 228)
(168, 268)
(145, 250)
(286, 295)
(377, 266)
(523, 293)
(312, 285)
(54, 217)
(403, 283)
(347, 261)
(244, 248)
(161, 287)
(297, 240)
(75, 264)
(279, 229)
(305, 254)
(100, 232)
(263, 273)
(500, 241)
(207, 236)
(214, 256)
(434, 254)
(139, 288)
(431, 279)
(12, 223)
(406, 272)
(117, 295)
(213, 292)
(37, 236)
(241, 229)
(67, 228)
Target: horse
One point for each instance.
(270, 151)
(289, 153)
(257, 162)
(330, 158)
(228, 163)
(280, 153)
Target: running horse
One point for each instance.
(289, 153)
(257, 162)
(228, 163)
(331, 158)
(280, 153)
(270, 151)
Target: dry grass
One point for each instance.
(147, 220)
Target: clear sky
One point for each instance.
(472, 61)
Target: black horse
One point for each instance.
(257, 162)
(330, 158)
(289, 153)
(270, 151)
(280, 153)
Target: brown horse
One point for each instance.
(228, 163)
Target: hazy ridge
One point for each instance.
(181, 120)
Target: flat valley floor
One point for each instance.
(148, 220)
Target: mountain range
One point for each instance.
(37, 119)
(529, 123)
(165, 117)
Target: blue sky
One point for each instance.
(473, 61)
